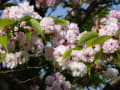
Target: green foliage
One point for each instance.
(3, 41)
(36, 26)
(2, 57)
(89, 69)
(77, 48)
(87, 36)
(118, 32)
(59, 21)
(28, 34)
(98, 40)
(67, 54)
(6, 22)
(97, 57)
(26, 18)
(90, 42)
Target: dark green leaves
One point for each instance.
(36, 26)
(6, 22)
(87, 36)
(59, 21)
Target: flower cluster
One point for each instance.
(109, 26)
(14, 59)
(57, 82)
(18, 12)
(19, 49)
(65, 37)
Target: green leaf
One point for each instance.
(118, 55)
(2, 57)
(59, 21)
(98, 40)
(3, 41)
(97, 57)
(118, 32)
(6, 22)
(77, 48)
(87, 36)
(28, 34)
(89, 72)
(67, 54)
(26, 18)
(90, 42)
(36, 26)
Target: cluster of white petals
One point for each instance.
(78, 69)
(110, 28)
(18, 41)
(20, 11)
(110, 46)
(47, 25)
(14, 59)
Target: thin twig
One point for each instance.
(30, 79)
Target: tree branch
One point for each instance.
(19, 70)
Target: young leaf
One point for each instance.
(97, 57)
(67, 54)
(59, 21)
(89, 72)
(36, 26)
(26, 18)
(90, 42)
(3, 41)
(28, 35)
(87, 36)
(2, 58)
(118, 32)
(118, 55)
(98, 40)
(6, 22)
(77, 48)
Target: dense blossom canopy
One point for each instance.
(60, 42)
